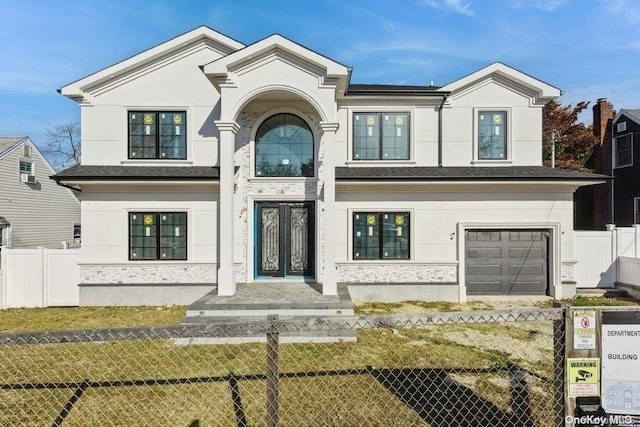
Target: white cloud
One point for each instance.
(457, 6)
(627, 10)
(545, 5)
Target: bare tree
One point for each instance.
(63, 145)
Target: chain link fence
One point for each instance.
(498, 368)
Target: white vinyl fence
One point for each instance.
(600, 254)
(39, 277)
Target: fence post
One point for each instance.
(559, 344)
(614, 253)
(273, 374)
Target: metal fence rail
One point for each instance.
(498, 368)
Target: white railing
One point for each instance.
(39, 277)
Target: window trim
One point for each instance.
(157, 213)
(157, 111)
(380, 112)
(476, 135)
(381, 109)
(614, 157)
(352, 243)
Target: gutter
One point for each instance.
(444, 99)
(70, 187)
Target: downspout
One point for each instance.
(444, 99)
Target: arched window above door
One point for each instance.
(284, 147)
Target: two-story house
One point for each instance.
(208, 163)
(617, 201)
(34, 211)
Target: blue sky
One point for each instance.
(587, 48)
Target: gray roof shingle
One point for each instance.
(381, 89)
(511, 173)
(137, 173)
(7, 142)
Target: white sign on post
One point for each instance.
(584, 330)
(621, 368)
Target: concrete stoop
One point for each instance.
(254, 303)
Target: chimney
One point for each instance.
(602, 113)
(602, 193)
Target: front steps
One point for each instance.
(255, 302)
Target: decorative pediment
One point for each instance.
(225, 71)
(173, 50)
(498, 73)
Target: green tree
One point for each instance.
(574, 140)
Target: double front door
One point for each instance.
(285, 244)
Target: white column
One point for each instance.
(329, 276)
(226, 245)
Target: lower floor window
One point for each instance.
(157, 236)
(380, 235)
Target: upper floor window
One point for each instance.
(157, 236)
(381, 136)
(284, 147)
(492, 135)
(157, 135)
(380, 235)
(623, 151)
(26, 167)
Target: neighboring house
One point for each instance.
(34, 211)
(210, 163)
(617, 154)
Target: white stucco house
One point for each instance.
(207, 163)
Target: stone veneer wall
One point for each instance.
(146, 274)
(397, 273)
(274, 189)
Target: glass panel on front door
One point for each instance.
(284, 239)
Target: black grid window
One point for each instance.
(492, 135)
(157, 236)
(381, 136)
(157, 135)
(380, 235)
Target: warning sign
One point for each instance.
(583, 376)
(584, 330)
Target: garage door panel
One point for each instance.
(526, 253)
(525, 288)
(484, 288)
(485, 252)
(485, 270)
(502, 262)
(526, 236)
(526, 270)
